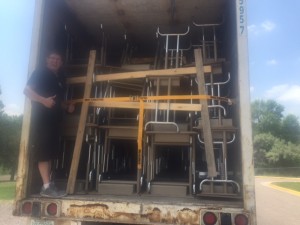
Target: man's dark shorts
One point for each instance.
(45, 140)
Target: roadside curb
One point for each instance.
(283, 178)
(273, 186)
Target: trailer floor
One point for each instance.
(160, 200)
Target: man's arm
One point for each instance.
(33, 96)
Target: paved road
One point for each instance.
(276, 206)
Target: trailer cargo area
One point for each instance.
(161, 133)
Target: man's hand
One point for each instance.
(49, 102)
(70, 108)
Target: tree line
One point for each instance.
(10, 134)
(276, 138)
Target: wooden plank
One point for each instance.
(148, 105)
(81, 125)
(143, 74)
(76, 80)
(208, 142)
(139, 74)
(140, 145)
(23, 160)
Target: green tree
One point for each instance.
(266, 117)
(270, 151)
(276, 139)
(262, 144)
(1, 105)
(10, 133)
(290, 129)
(284, 154)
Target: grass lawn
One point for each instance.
(7, 190)
(295, 186)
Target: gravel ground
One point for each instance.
(7, 218)
(6, 207)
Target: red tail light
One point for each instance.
(241, 219)
(27, 208)
(52, 209)
(209, 218)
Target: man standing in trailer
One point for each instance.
(45, 89)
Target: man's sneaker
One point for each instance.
(52, 185)
(49, 192)
(52, 192)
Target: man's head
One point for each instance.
(54, 61)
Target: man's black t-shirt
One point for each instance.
(45, 122)
(45, 83)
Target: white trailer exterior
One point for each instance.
(81, 23)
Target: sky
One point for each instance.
(274, 52)
(16, 19)
(273, 42)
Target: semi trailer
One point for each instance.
(161, 132)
